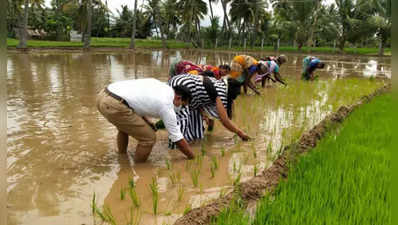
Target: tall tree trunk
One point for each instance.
(132, 42)
(58, 29)
(381, 46)
(211, 10)
(23, 30)
(224, 7)
(87, 36)
(314, 24)
(342, 44)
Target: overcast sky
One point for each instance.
(217, 8)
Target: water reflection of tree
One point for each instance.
(57, 120)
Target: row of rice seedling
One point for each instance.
(346, 179)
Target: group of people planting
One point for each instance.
(194, 95)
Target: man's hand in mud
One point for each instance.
(243, 136)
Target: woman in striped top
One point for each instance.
(209, 96)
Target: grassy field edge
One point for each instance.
(172, 44)
(344, 180)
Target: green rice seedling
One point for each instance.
(223, 192)
(237, 180)
(105, 215)
(135, 216)
(109, 216)
(175, 177)
(269, 148)
(234, 167)
(180, 192)
(155, 195)
(203, 149)
(168, 164)
(255, 170)
(199, 161)
(353, 183)
(122, 194)
(133, 194)
(188, 164)
(254, 152)
(222, 152)
(212, 171)
(195, 172)
(214, 162)
(187, 209)
(235, 139)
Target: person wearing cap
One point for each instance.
(127, 104)
(273, 64)
(243, 68)
(310, 64)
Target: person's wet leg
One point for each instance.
(142, 152)
(122, 142)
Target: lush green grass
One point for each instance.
(346, 179)
(143, 43)
(101, 42)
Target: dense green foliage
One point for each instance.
(346, 179)
(305, 23)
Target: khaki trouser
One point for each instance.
(127, 121)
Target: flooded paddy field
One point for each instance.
(61, 150)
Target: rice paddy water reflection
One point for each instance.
(61, 150)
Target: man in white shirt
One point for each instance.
(126, 104)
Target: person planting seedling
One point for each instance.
(310, 64)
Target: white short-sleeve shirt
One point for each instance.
(150, 97)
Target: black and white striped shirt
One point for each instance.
(200, 97)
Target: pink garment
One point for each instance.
(271, 66)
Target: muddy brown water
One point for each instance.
(61, 150)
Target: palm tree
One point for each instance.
(171, 17)
(382, 20)
(192, 12)
(301, 13)
(23, 20)
(87, 32)
(153, 10)
(23, 30)
(247, 15)
(132, 42)
(211, 8)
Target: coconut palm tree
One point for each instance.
(382, 21)
(171, 17)
(87, 32)
(23, 19)
(192, 12)
(153, 10)
(301, 13)
(133, 32)
(246, 14)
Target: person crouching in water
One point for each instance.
(127, 104)
(272, 68)
(185, 67)
(310, 64)
(243, 68)
(211, 97)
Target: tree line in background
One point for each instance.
(299, 23)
